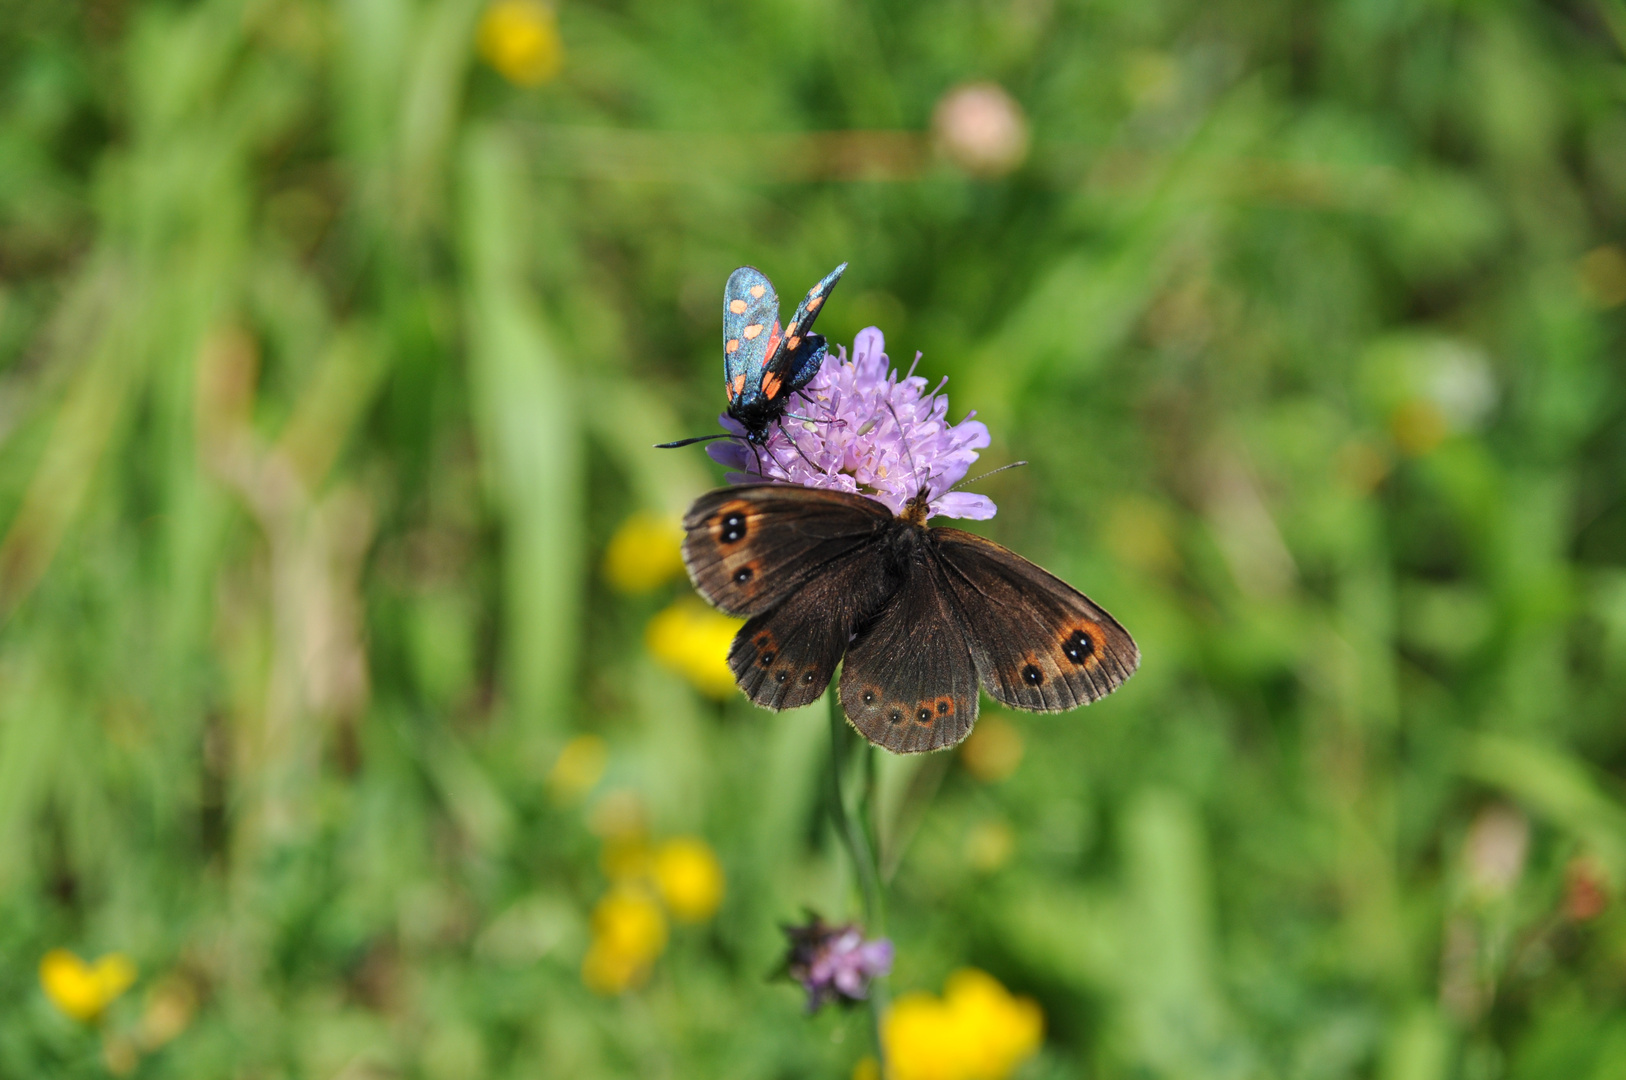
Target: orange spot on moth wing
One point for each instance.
(773, 340)
(813, 303)
(770, 385)
(728, 388)
(752, 331)
(791, 343)
(791, 330)
(757, 291)
(737, 306)
(732, 346)
(739, 385)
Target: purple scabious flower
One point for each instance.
(835, 963)
(871, 432)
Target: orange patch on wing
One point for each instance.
(757, 291)
(813, 304)
(770, 385)
(737, 306)
(752, 331)
(791, 343)
(739, 385)
(732, 346)
(791, 329)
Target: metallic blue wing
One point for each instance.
(751, 331)
(798, 360)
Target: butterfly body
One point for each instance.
(923, 616)
(764, 361)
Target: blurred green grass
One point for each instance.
(329, 363)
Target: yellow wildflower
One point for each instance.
(693, 640)
(520, 38)
(83, 990)
(629, 932)
(579, 768)
(645, 553)
(977, 1031)
(690, 878)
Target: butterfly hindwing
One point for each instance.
(751, 332)
(910, 682)
(1039, 644)
(783, 658)
(748, 548)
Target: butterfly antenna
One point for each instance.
(914, 471)
(984, 476)
(696, 439)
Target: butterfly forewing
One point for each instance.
(909, 682)
(751, 332)
(1039, 644)
(748, 548)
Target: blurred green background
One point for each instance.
(333, 340)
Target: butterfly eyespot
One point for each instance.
(742, 575)
(780, 676)
(895, 716)
(944, 706)
(733, 528)
(1079, 648)
(1032, 675)
(766, 659)
(924, 716)
(869, 697)
(808, 677)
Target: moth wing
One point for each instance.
(750, 328)
(798, 359)
(1039, 644)
(783, 658)
(910, 682)
(748, 548)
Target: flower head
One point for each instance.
(871, 432)
(629, 932)
(84, 990)
(520, 38)
(834, 963)
(689, 877)
(693, 640)
(977, 1030)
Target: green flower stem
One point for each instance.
(850, 827)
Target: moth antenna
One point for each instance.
(696, 439)
(985, 475)
(755, 457)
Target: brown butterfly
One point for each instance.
(922, 614)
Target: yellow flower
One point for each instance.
(580, 766)
(690, 878)
(520, 38)
(83, 990)
(645, 553)
(629, 932)
(977, 1031)
(693, 640)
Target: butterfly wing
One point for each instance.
(784, 658)
(910, 679)
(798, 359)
(751, 332)
(1039, 644)
(747, 548)
(803, 563)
